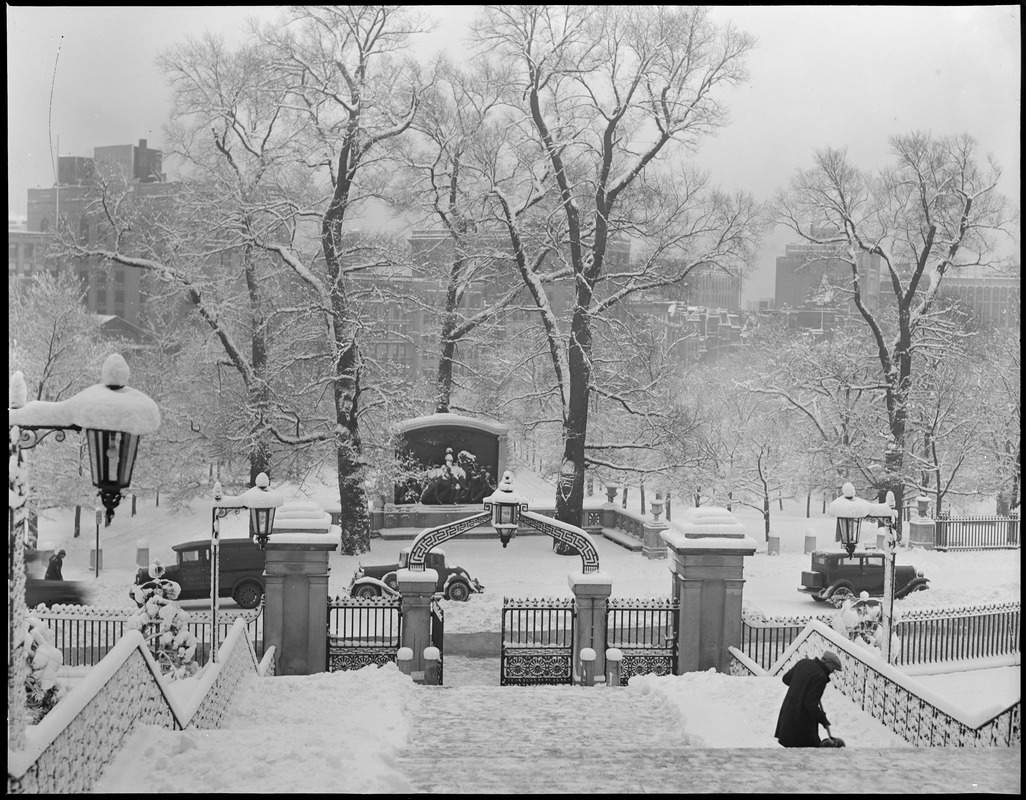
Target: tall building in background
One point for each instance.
(992, 297)
(805, 267)
(109, 291)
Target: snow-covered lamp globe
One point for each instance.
(259, 500)
(113, 416)
(850, 511)
(505, 506)
(262, 503)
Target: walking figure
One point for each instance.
(54, 567)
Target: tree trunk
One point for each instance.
(570, 486)
(444, 381)
(78, 521)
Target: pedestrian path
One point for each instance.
(562, 740)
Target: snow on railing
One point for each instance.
(85, 634)
(917, 714)
(67, 751)
(927, 635)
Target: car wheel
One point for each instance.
(391, 580)
(840, 594)
(366, 591)
(248, 594)
(459, 591)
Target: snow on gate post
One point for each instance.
(296, 601)
(708, 575)
(417, 588)
(591, 590)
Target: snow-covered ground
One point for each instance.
(370, 725)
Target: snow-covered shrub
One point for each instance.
(164, 625)
(44, 660)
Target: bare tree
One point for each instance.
(601, 98)
(937, 209)
(283, 138)
(458, 133)
(56, 344)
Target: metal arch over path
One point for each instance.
(430, 538)
(562, 532)
(565, 533)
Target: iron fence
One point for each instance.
(85, 635)
(438, 637)
(976, 533)
(645, 631)
(362, 631)
(929, 637)
(537, 642)
(764, 643)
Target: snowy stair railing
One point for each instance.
(66, 751)
(917, 714)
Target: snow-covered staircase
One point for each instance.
(577, 740)
(541, 738)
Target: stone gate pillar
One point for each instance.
(417, 589)
(708, 574)
(296, 602)
(922, 531)
(592, 590)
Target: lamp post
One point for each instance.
(113, 417)
(505, 506)
(850, 511)
(886, 513)
(261, 502)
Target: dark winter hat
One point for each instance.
(62, 552)
(830, 658)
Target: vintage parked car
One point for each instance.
(241, 575)
(835, 576)
(454, 582)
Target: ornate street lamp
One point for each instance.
(261, 502)
(113, 417)
(507, 511)
(505, 506)
(885, 513)
(850, 511)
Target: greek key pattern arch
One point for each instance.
(432, 537)
(567, 534)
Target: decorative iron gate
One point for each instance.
(438, 636)
(646, 632)
(363, 631)
(537, 642)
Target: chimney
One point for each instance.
(142, 144)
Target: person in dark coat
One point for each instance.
(55, 566)
(802, 712)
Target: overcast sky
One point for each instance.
(837, 76)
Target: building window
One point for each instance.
(44, 225)
(101, 300)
